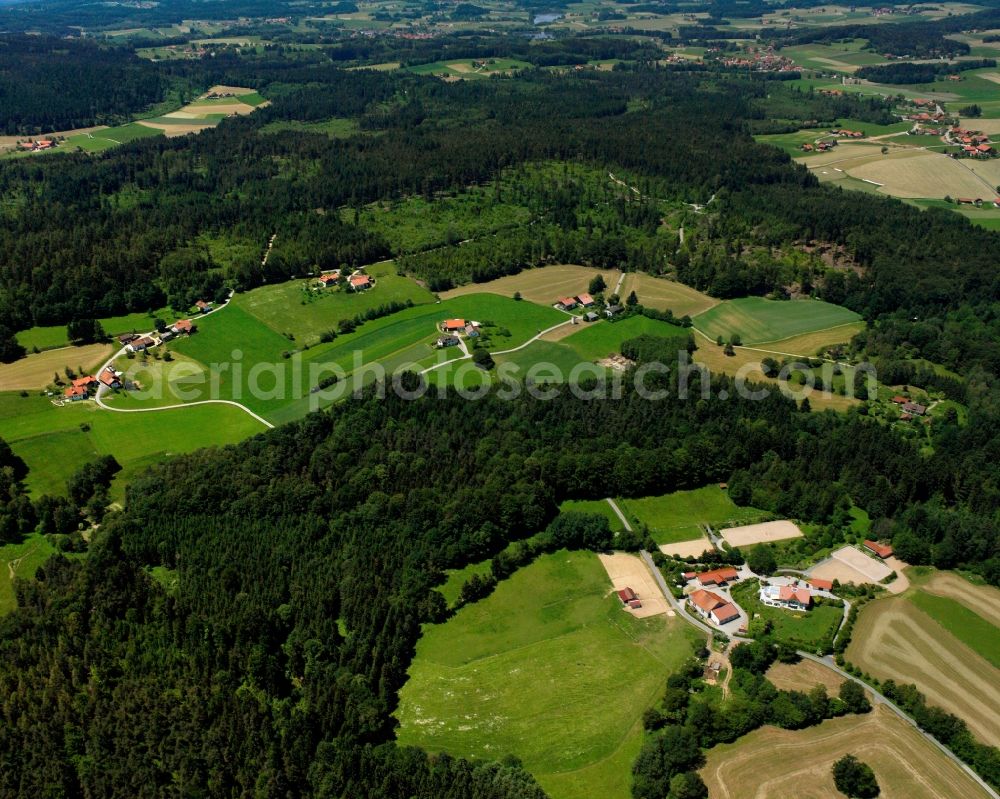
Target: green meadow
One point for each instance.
(574, 356)
(758, 321)
(55, 441)
(678, 516)
(279, 388)
(110, 137)
(51, 336)
(548, 668)
(21, 560)
(300, 308)
(967, 626)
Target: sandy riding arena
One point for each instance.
(770, 763)
(684, 549)
(763, 533)
(628, 571)
(850, 565)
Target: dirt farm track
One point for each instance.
(771, 763)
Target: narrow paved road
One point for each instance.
(244, 408)
(883, 700)
(619, 514)
(500, 352)
(102, 390)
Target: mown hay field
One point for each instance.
(759, 321)
(664, 294)
(37, 370)
(543, 285)
(920, 175)
(894, 638)
(771, 763)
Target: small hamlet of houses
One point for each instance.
(453, 329)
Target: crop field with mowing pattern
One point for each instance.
(758, 321)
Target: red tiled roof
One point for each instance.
(183, 325)
(716, 576)
(626, 594)
(75, 391)
(706, 600)
(360, 280)
(454, 324)
(821, 585)
(331, 278)
(800, 595)
(585, 299)
(726, 612)
(882, 550)
(567, 301)
(84, 381)
(107, 377)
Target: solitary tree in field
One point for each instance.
(854, 778)
(597, 285)
(632, 299)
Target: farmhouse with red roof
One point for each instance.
(713, 607)
(882, 550)
(727, 574)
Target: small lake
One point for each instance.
(545, 19)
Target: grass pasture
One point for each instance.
(595, 340)
(781, 763)
(759, 321)
(55, 442)
(470, 69)
(676, 517)
(543, 285)
(279, 388)
(298, 308)
(536, 670)
(37, 370)
(21, 560)
(895, 638)
(110, 137)
(51, 336)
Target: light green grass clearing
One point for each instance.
(967, 626)
(21, 560)
(52, 336)
(676, 517)
(101, 140)
(758, 321)
(53, 444)
(299, 308)
(549, 668)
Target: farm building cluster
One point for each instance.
(357, 281)
(907, 408)
(763, 59)
(453, 329)
(37, 146)
(974, 143)
(83, 388)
